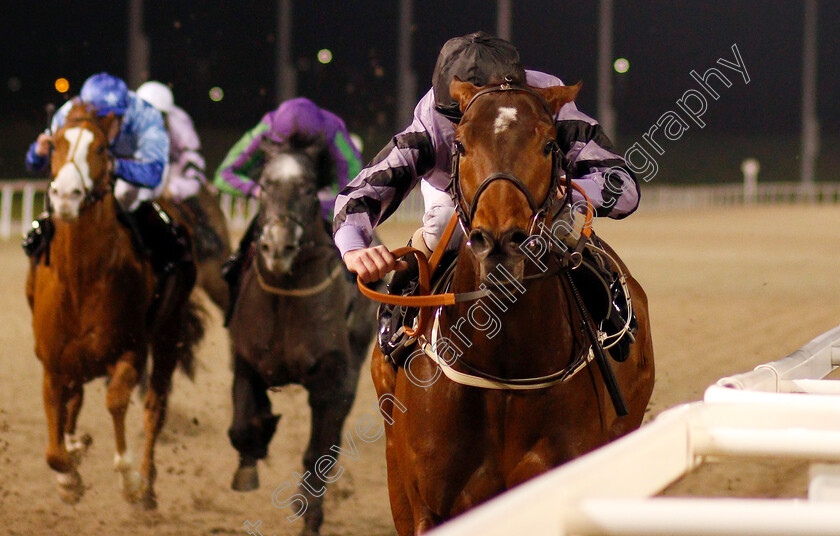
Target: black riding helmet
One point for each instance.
(479, 58)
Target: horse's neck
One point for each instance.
(524, 330)
(84, 248)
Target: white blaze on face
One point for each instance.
(283, 168)
(504, 119)
(67, 190)
(279, 247)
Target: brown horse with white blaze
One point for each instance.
(452, 444)
(95, 311)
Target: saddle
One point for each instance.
(599, 280)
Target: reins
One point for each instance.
(298, 292)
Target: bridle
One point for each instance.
(466, 210)
(94, 195)
(290, 216)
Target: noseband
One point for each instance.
(466, 210)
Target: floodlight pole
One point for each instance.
(406, 78)
(810, 124)
(284, 72)
(503, 19)
(606, 113)
(138, 46)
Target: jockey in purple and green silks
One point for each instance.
(298, 120)
(239, 172)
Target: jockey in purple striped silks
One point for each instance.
(423, 153)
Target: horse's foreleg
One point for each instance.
(329, 409)
(55, 405)
(76, 445)
(123, 379)
(154, 415)
(253, 424)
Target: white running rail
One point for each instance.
(785, 409)
(22, 200)
(240, 211)
(16, 218)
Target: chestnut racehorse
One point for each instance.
(451, 444)
(95, 313)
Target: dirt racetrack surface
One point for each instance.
(729, 288)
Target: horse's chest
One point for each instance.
(287, 338)
(84, 328)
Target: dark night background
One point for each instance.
(198, 45)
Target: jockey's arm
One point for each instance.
(37, 157)
(232, 176)
(374, 195)
(150, 150)
(591, 159)
(603, 175)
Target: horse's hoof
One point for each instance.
(310, 532)
(70, 487)
(133, 486)
(246, 479)
(149, 501)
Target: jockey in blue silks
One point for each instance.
(139, 151)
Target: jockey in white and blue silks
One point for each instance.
(140, 149)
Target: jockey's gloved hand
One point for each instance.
(571, 224)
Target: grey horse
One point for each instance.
(298, 319)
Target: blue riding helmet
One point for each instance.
(105, 92)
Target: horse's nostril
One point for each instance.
(518, 237)
(477, 238)
(480, 242)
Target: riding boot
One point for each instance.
(38, 238)
(233, 267)
(206, 241)
(164, 240)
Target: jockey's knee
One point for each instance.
(434, 223)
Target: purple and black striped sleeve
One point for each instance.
(380, 187)
(591, 158)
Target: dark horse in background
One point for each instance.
(97, 309)
(298, 319)
(451, 446)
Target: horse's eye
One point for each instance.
(550, 147)
(100, 149)
(460, 148)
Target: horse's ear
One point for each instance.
(463, 92)
(557, 96)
